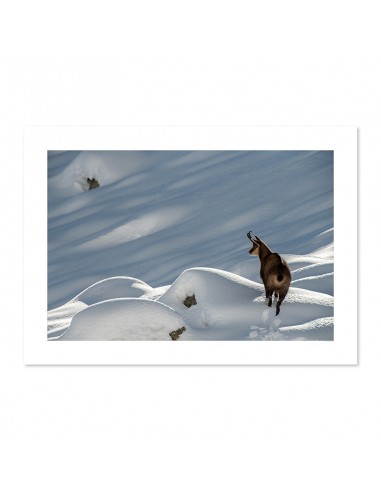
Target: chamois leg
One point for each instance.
(269, 296)
(281, 297)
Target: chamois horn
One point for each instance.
(249, 236)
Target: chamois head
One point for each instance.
(254, 251)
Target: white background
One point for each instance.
(189, 428)
(38, 140)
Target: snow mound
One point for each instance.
(229, 307)
(59, 319)
(224, 309)
(225, 306)
(124, 319)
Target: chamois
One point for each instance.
(275, 274)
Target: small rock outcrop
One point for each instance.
(190, 301)
(176, 333)
(93, 183)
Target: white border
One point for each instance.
(38, 140)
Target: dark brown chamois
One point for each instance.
(274, 271)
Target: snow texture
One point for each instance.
(166, 225)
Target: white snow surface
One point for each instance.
(165, 225)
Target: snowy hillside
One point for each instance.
(166, 227)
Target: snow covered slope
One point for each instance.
(163, 226)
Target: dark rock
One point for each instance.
(176, 333)
(93, 183)
(190, 301)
